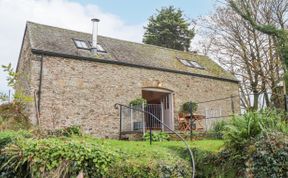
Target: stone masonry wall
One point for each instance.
(28, 77)
(84, 92)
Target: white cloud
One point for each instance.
(60, 13)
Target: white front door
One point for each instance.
(167, 111)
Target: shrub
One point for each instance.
(240, 130)
(264, 156)
(138, 101)
(252, 147)
(218, 129)
(269, 156)
(157, 136)
(67, 131)
(13, 116)
(186, 107)
(55, 158)
(7, 137)
(157, 168)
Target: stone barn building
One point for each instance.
(74, 85)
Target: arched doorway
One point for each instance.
(159, 103)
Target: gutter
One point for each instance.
(108, 61)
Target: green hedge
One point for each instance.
(269, 156)
(24, 156)
(55, 157)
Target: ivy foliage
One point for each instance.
(169, 29)
(54, 157)
(269, 156)
(25, 155)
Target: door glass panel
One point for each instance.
(167, 102)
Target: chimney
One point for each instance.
(94, 35)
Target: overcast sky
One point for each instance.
(120, 19)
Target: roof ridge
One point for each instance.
(138, 43)
(61, 28)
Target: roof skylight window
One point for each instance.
(81, 44)
(185, 62)
(191, 63)
(100, 48)
(196, 64)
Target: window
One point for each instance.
(185, 62)
(196, 64)
(190, 63)
(81, 44)
(87, 45)
(99, 47)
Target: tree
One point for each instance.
(169, 29)
(277, 31)
(247, 53)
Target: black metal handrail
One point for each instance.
(178, 135)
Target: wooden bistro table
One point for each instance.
(184, 122)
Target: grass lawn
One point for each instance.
(143, 152)
(114, 157)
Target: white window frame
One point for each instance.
(81, 44)
(99, 47)
(196, 64)
(185, 62)
(190, 63)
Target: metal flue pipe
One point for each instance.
(94, 35)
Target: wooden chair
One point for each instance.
(183, 123)
(198, 120)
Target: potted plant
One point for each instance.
(138, 102)
(186, 107)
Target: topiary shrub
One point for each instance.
(186, 107)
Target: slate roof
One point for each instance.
(59, 41)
